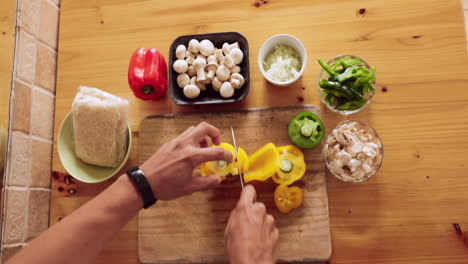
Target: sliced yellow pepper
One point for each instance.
(287, 198)
(292, 166)
(263, 164)
(222, 168)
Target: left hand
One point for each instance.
(169, 170)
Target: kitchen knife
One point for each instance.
(241, 176)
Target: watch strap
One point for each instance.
(139, 180)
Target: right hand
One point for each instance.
(250, 233)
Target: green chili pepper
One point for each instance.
(351, 105)
(348, 84)
(326, 68)
(306, 130)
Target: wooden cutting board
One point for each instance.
(191, 229)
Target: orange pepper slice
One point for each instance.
(287, 198)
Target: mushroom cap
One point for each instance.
(191, 91)
(212, 63)
(237, 55)
(236, 80)
(223, 73)
(219, 55)
(199, 63)
(206, 47)
(236, 69)
(229, 61)
(191, 71)
(180, 66)
(183, 79)
(226, 90)
(193, 46)
(226, 48)
(216, 83)
(180, 52)
(189, 57)
(200, 56)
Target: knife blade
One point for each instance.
(241, 176)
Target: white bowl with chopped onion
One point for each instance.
(282, 59)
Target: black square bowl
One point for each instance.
(209, 96)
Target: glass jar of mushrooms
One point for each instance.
(201, 64)
(353, 151)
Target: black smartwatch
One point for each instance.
(139, 180)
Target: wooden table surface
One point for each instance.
(403, 215)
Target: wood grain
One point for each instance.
(191, 229)
(403, 215)
(7, 47)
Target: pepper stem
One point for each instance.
(222, 164)
(286, 165)
(147, 89)
(308, 127)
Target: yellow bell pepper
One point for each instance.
(287, 198)
(222, 168)
(263, 164)
(292, 166)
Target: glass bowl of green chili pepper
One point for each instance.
(346, 84)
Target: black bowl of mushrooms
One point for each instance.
(209, 68)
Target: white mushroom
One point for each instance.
(191, 71)
(193, 46)
(189, 57)
(207, 80)
(223, 73)
(199, 65)
(216, 83)
(191, 91)
(228, 47)
(180, 66)
(206, 47)
(219, 55)
(226, 90)
(199, 56)
(236, 80)
(236, 69)
(211, 67)
(229, 61)
(183, 80)
(236, 55)
(180, 52)
(200, 85)
(354, 164)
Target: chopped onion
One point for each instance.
(282, 63)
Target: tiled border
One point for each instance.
(26, 195)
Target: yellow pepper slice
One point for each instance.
(222, 168)
(243, 160)
(287, 198)
(292, 167)
(263, 164)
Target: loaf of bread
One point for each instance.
(100, 127)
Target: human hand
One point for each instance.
(250, 233)
(169, 170)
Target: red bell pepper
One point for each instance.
(147, 74)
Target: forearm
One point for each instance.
(79, 237)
